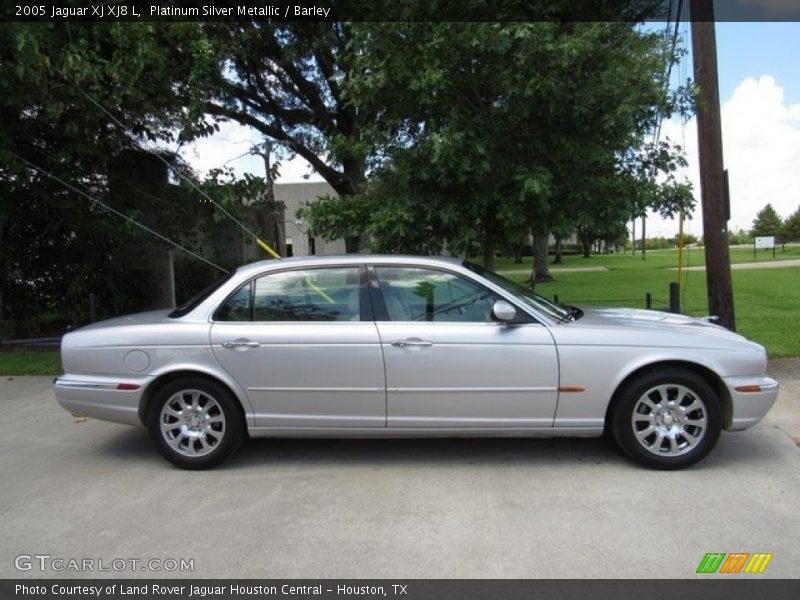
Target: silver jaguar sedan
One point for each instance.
(410, 346)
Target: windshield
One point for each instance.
(529, 297)
(193, 302)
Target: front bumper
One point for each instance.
(749, 407)
(105, 398)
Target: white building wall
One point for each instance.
(293, 196)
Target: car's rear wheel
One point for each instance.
(195, 423)
(667, 419)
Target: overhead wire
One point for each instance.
(659, 118)
(242, 155)
(670, 61)
(667, 68)
(114, 211)
(263, 245)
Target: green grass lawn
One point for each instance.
(767, 301)
(30, 361)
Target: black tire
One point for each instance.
(678, 418)
(217, 431)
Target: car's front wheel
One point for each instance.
(667, 419)
(195, 423)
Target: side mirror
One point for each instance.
(503, 311)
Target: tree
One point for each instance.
(767, 223)
(492, 123)
(284, 80)
(687, 239)
(56, 246)
(338, 217)
(740, 237)
(791, 227)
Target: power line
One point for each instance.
(116, 212)
(230, 160)
(170, 166)
(670, 62)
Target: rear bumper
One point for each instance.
(101, 397)
(749, 407)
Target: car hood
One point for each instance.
(634, 319)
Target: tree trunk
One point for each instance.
(488, 254)
(633, 235)
(644, 237)
(352, 245)
(518, 254)
(489, 227)
(271, 218)
(354, 182)
(355, 172)
(586, 243)
(541, 268)
(3, 221)
(559, 248)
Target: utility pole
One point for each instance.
(712, 178)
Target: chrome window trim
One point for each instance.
(477, 280)
(205, 311)
(252, 279)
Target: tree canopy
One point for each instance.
(487, 131)
(56, 245)
(767, 223)
(791, 227)
(436, 136)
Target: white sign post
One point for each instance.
(765, 242)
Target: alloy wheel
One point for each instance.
(192, 422)
(669, 420)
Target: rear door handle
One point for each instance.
(405, 343)
(240, 344)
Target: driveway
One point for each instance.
(391, 508)
(775, 264)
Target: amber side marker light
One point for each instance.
(571, 389)
(127, 387)
(748, 388)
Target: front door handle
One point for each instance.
(417, 343)
(240, 344)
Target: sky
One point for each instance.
(759, 79)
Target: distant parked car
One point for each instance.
(400, 346)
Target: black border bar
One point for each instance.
(383, 10)
(734, 587)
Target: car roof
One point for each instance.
(346, 259)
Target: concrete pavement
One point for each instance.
(391, 508)
(775, 264)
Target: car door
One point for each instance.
(449, 365)
(304, 346)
